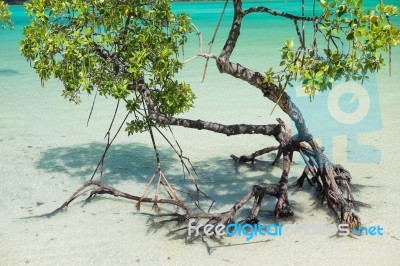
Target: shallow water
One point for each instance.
(47, 152)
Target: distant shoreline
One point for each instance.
(20, 2)
(13, 3)
(16, 2)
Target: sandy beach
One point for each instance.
(47, 152)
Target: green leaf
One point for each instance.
(350, 36)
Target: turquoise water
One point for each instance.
(47, 151)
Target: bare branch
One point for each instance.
(272, 12)
(200, 48)
(213, 39)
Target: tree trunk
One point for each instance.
(327, 177)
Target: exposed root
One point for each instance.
(162, 180)
(251, 157)
(257, 192)
(328, 178)
(300, 181)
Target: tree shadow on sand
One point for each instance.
(123, 161)
(6, 72)
(220, 178)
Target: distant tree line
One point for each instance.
(23, 1)
(13, 2)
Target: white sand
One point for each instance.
(47, 152)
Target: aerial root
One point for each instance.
(162, 180)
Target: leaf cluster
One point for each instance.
(112, 47)
(347, 43)
(5, 16)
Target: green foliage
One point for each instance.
(112, 47)
(353, 39)
(5, 16)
